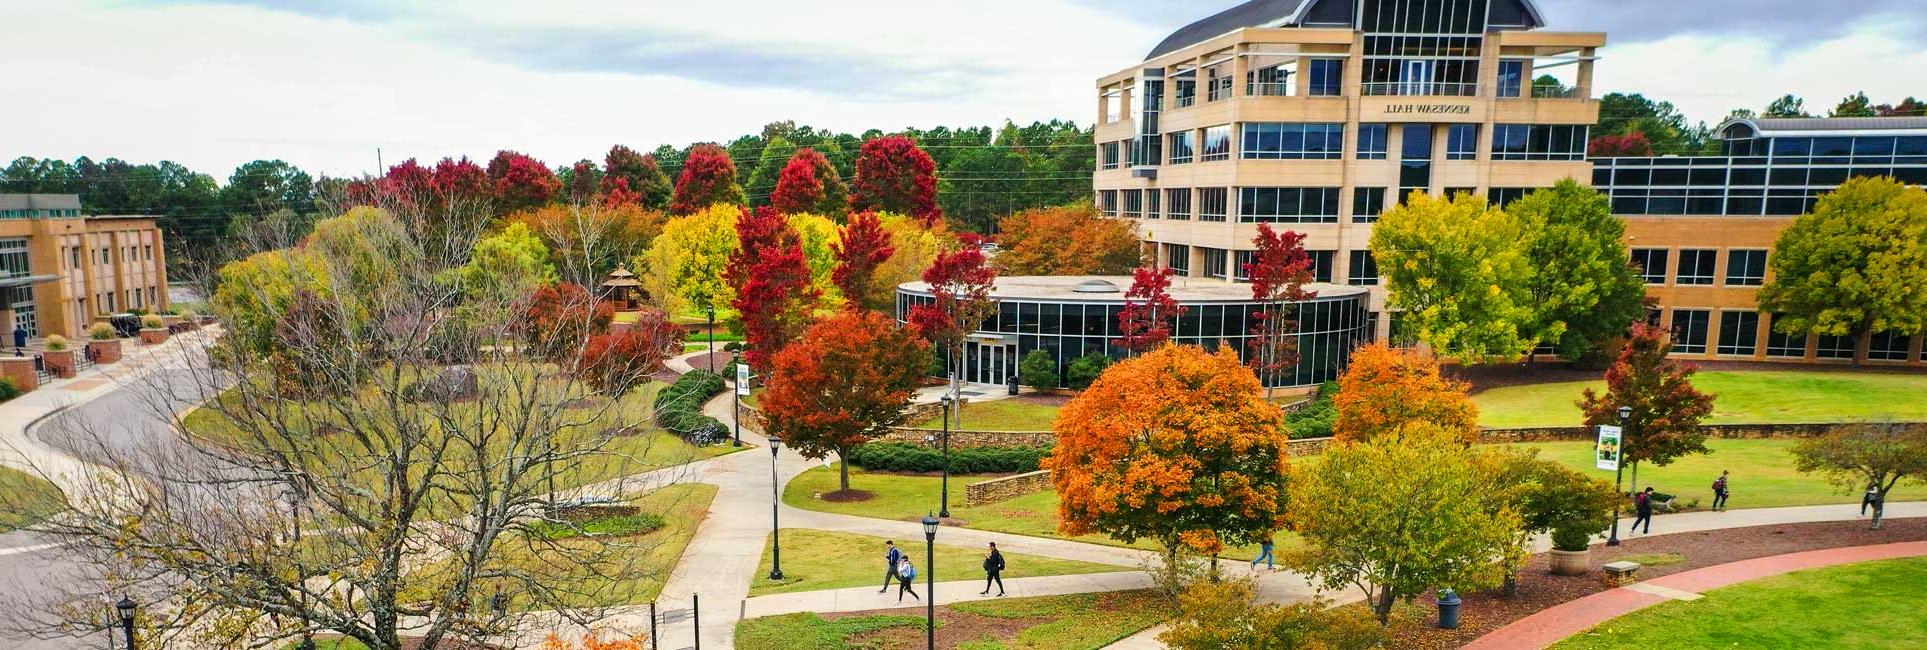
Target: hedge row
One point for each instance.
(679, 407)
(901, 457)
(1315, 419)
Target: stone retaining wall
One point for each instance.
(1009, 487)
(961, 439)
(1727, 431)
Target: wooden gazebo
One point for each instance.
(622, 290)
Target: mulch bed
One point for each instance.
(1487, 611)
(954, 628)
(848, 496)
(701, 361)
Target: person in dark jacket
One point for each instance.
(906, 576)
(993, 571)
(1643, 505)
(1720, 492)
(890, 559)
(1872, 498)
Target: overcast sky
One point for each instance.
(323, 83)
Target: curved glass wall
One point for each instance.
(1328, 330)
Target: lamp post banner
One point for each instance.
(1607, 452)
(742, 379)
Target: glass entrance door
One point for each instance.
(988, 363)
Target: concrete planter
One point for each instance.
(59, 362)
(169, 319)
(154, 336)
(104, 352)
(20, 370)
(1570, 563)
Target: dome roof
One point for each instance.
(1095, 286)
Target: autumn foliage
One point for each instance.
(640, 173)
(863, 247)
(893, 174)
(845, 381)
(521, 182)
(771, 277)
(1666, 408)
(1066, 240)
(809, 184)
(708, 177)
(1630, 145)
(561, 317)
(1279, 270)
(615, 362)
(1387, 391)
(961, 281)
(1176, 445)
(590, 642)
(1150, 313)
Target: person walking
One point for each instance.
(906, 576)
(1719, 492)
(993, 571)
(1643, 505)
(1264, 553)
(891, 557)
(1872, 498)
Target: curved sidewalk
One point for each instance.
(1556, 623)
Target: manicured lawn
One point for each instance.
(1069, 622)
(999, 415)
(1744, 397)
(1763, 475)
(909, 498)
(25, 499)
(821, 559)
(1870, 605)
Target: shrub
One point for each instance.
(1085, 369)
(1571, 538)
(101, 332)
(1314, 420)
(56, 343)
(152, 322)
(679, 408)
(190, 316)
(8, 390)
(1038, 370)
(902, 457)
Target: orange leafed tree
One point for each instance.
(1176, 445)
(590, 642)
(1385, 390)
(1067, 240)
(846, 380)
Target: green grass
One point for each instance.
(1763, 474)
(1068, 622)
(1654, 559)
(1868, 605)
(25, 499)
(1742, 397)
(999, 415)
(909, 498)
(616, 526)
(819, 559)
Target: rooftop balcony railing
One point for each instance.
(1270, 89)
(1420, 89)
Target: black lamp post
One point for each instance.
(1625, 415)
(943, 509)
(775, 531)
(711, 310)
(126, 608)
(930, 581)
(736, 397)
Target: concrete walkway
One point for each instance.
(856, 599)
(1553, 624)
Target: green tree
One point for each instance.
(513, 262)
(1583, 291)
(1854, 105)
(1856, 265)
(768, 168)
(1662, 123)
(1038, 370)
(1864, 456)
(1549, 497)
(1226, 615)
(262, 186)
(1392, 517)
(1459, 271)
(683, 268)
(1786, 106)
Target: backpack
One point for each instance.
(907, 572)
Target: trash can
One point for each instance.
(1448, 609)
(1013, 384)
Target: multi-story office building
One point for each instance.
(59, 269)
(1314, 115)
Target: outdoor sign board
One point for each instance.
(742, 379)
(1607, 453)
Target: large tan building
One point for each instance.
(59, 269)
(1314, 115)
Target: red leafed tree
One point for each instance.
(1630, 145)
(563, 316)
(1279, 270)
(615, 362)
(810, 184)
(1667, 410)
(708, 177)
(1149, 312)
(459, 182)
(641, 171)
(772, 281)
(584, 182)
(407, 186)
(845, 381)
(522, 182)
(893, 174)
(961, 282)
(615, 193)
(862, 247)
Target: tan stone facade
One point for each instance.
(82, 267)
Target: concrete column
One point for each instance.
(1584, 78)
(1240, 66)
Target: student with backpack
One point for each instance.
(906, 576)
(890, 559)
(1643, 505)
(1719, 492)
(1872, 498)
(993, 571)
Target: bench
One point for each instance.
(1621, 573)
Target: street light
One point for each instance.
(736, 397)
(775, 532)
(1619, 474)
(126, 608)
(930, 581)
(711, 310)
(943, 509)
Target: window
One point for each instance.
(1504, 196)
(1178, 204)
(1107, 155)
(1321, 265)
(1292, 140)
(1107, 202)
(1187, 91)
(1538, 142)
(1415, 154)
(1151, 203)
(1833, 347)
(1745, 268)
(1133, 203)
(1371, 141)
(1179, 144)
(13, 262)
(1177, 257)
(1217, 143)
(1512, 74)
(1217, 87)
(1326, 77)
(1364, 269)
(1652, 264)
(1738, 331)
(1889, 346)
(1288, 205)
(1240, 261)
(1213, 203)
(1367, 203)
(1781, 344)
(1696, 266)
(1214, 263)
(1689, 330)
(1462, 142)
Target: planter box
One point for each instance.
(20, 370)
(59, 362)
(104, 352)
(155, 336)
(1570, 563)
(169, 319)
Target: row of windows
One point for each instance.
(1718, 186)
(1744, 267)
(1739, 335)
(39, 214)
(1292, 140)
(1270, 204)
(1325, 141)
(1870, 148)
(1230, 265)
(1538, 142)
